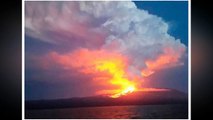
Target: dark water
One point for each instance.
(175, 111)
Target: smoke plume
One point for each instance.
(117, 42)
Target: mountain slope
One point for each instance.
(135, 98)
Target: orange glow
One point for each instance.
(108, 69)
(153, 89)
(116, 69)
(162, 60)
(168, 59)
(147, 72)
(128, 90)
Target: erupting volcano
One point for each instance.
(111, 69)
(127, 90)
(106, 60)
(116, 69)
(108, 48)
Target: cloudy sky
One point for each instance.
(69, 47)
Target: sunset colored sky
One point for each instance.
(79, 49)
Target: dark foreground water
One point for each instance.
(174, 111)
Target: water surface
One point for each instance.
(174, 111)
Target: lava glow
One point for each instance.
(128, 90)
(110, 69)
(109, 47)
(116, 69)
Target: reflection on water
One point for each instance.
(145, 111)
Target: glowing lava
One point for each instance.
(116, 68)
(110, 70)
(128, 90)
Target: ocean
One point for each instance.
(169, 111)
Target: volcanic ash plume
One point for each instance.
(115, 42)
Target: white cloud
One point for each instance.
(112, 26)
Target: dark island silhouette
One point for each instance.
(170, 96)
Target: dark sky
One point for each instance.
(44, 82)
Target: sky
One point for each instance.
(177, 19)
(80, 49)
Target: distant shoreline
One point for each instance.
(137, 98)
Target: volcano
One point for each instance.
(169, 96)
